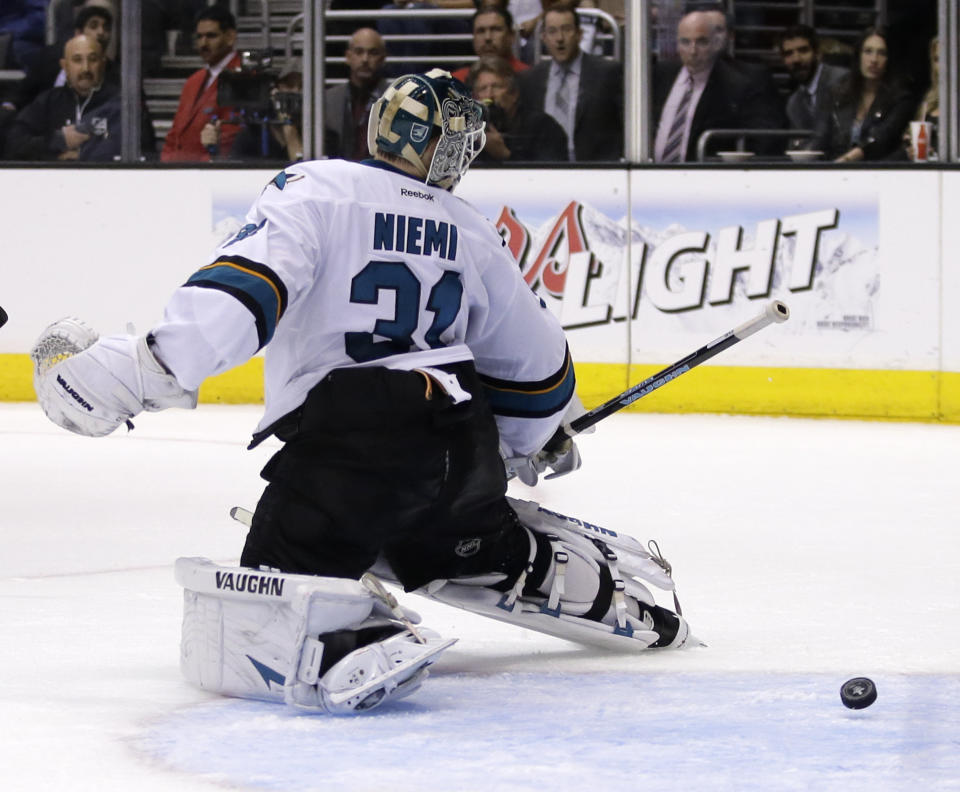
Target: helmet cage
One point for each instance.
(409, 114)
(462, 137)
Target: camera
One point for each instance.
(493, 114)
(249, 88)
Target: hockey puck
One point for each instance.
(3, 317)
(858, 693)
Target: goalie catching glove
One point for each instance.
(92, 385)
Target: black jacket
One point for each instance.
(36, 133)
(799, 114)
(531, 137)
(598, 122)
(881, 133)
(339, 129)
(737, 96)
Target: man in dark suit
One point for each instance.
(346, 106)
(816, 81)
(201, 129)
(584, 93)
(708, 90)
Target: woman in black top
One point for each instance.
(869, 111)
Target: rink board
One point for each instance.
(641, 266)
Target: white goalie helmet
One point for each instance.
(411, 113)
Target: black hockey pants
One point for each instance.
(381, 461)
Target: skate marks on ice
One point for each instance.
(563, 731)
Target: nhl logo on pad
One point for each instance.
(467, 547)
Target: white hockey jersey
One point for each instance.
(355, 264)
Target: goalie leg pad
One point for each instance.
(576, 586)
(320, 644)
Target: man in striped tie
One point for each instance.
(707, 89)
(698, 55)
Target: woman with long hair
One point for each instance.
(870, 110)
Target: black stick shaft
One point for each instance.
(775, 311)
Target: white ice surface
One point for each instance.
(805, 552)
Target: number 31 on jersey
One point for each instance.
(376, 276)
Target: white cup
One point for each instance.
(920, 140)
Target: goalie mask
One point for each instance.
(417, 108)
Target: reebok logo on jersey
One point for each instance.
(76, 396)
(416, 194)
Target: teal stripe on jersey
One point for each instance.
(255, 286)
(532, 399)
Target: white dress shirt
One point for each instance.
(214, 71)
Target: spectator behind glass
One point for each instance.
(493, 36)
(768, 106)
(869, 111)
(592, 118)
(77, 121)
(278, 137)
(707, 90)
(528, 13)
(815, 80)
(93, 21)
(46, 71)
(513, 134)
(346, 106)
(201, 129)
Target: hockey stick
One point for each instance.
(775, 312)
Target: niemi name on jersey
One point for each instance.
(417, 235)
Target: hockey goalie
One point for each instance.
(405, 361)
